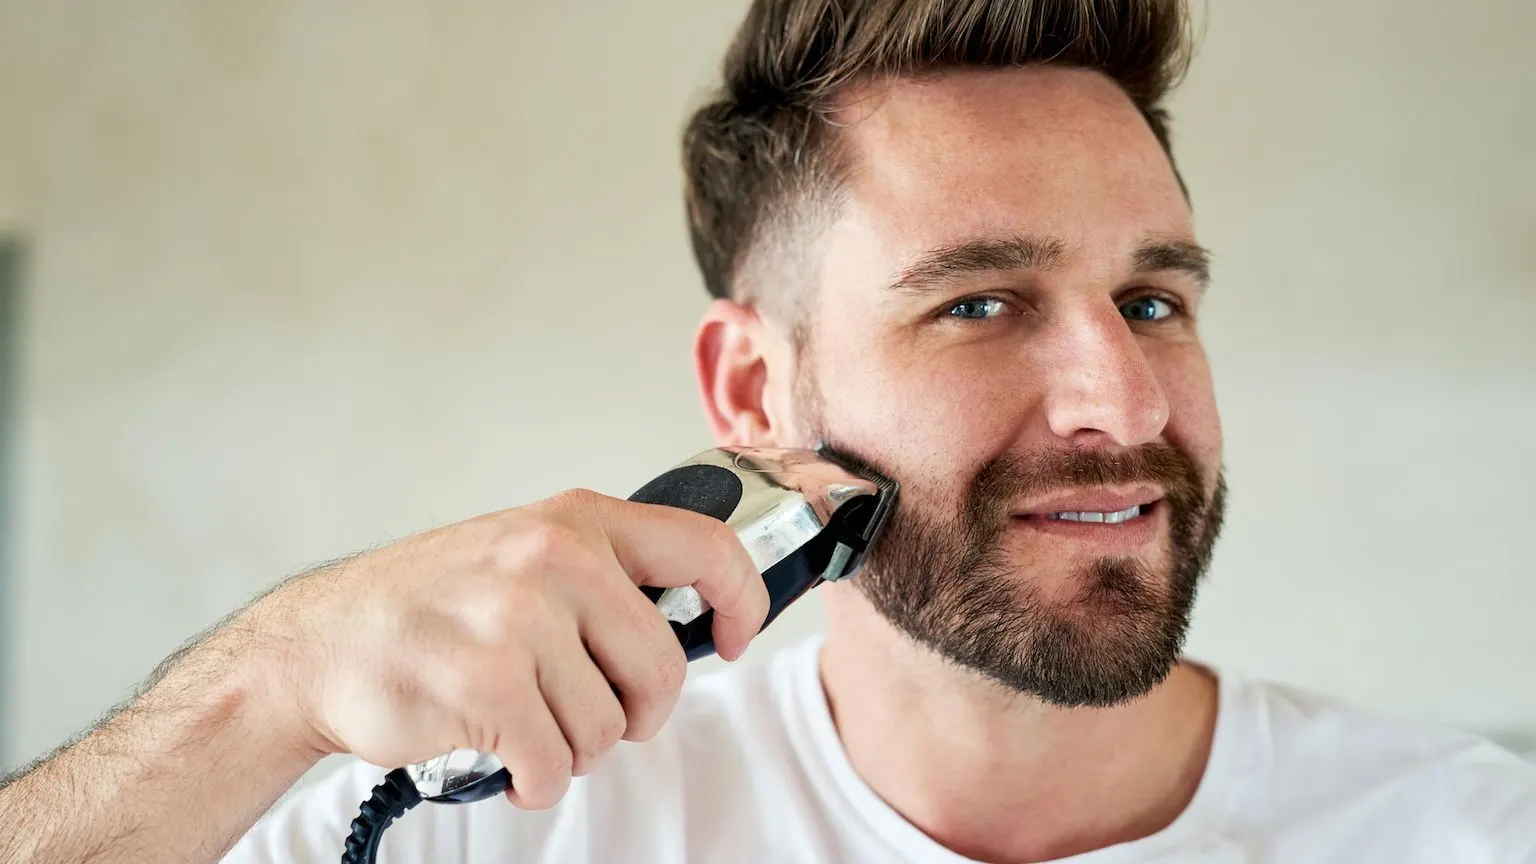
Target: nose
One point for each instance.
(1102, 388)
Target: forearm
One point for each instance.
(179, 774)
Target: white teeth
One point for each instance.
(1128, 513)
(1114, 518)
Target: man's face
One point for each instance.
(1004, 320)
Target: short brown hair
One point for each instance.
(760, 148)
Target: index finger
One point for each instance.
(668, 547)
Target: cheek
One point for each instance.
(935, 417)
(1193, 421)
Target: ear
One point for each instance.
(738, 359)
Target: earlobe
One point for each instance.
(732, 368)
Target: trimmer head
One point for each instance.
(805, 516)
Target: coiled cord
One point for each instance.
(390, 798)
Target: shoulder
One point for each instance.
(1311, 727)
(1326, 759)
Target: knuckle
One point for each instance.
(601, 736)
(585, 751)
(612, 726)
(538, 558)
(510, 614)
(670, 669)
(554, 761)
(729, 558)
(547, 775)
(721, 541)
(542, 545)
(574, 499)
(647, 715)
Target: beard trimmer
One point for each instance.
(804, 516)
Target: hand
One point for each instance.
(510, 634)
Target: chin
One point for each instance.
(1091, 585)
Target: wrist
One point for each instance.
(270, 674)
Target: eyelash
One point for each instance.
(1177, 305)
(949, 307)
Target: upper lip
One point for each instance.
(1092, 500)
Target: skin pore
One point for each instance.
(1011, 279)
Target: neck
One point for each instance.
(999, 776)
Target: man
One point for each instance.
(946, 236)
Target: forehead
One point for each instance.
(979, 153)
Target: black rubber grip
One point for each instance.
(707, 489)
(714, 492)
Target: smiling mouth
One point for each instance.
(1135, 513)
(1114, 518)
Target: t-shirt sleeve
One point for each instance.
(311, 825)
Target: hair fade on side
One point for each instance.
(761, 146)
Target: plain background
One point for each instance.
(304, 279)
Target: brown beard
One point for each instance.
(946, 583)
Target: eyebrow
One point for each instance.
(1179, 256)
(1026, 252)
(948, 263)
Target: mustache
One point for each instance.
(1004, 481)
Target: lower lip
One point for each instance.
(1130, 534)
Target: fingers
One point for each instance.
(502, 634)
(639, 653)
(582, 703)
(666, 547)
(535, 752)
(582, 555)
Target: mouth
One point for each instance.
(1113, 518)
(1100, 505)
(1124, 516)
(1127, 519)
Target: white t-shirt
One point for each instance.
(750, 769)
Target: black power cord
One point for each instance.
(390, 798)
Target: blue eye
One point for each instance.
(1147, 309)
(976, 308)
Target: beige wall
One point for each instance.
(305, 280)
